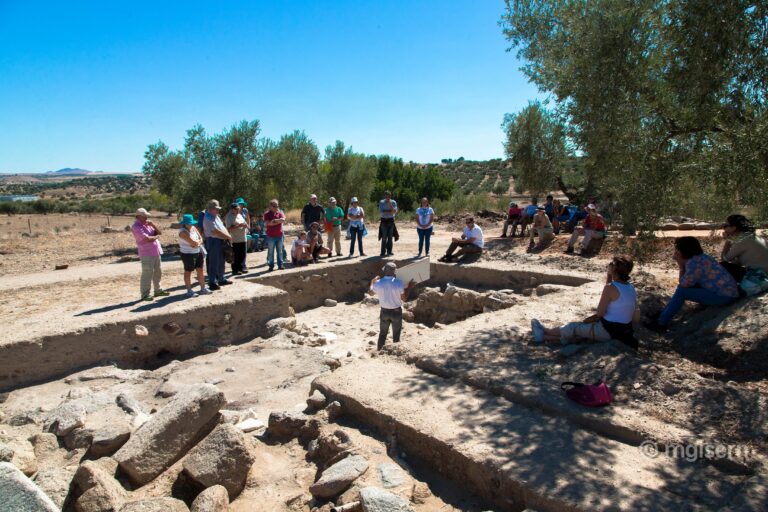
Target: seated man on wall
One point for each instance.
(471, 242)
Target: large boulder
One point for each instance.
(286, 425)
(65, 418)
(17, 450)
(155, 505)
(221, 458)
(338, 477)
(101, 492)
(213, 499)
(20, 494)
(55, 482)
(170, 433)
(374, 499)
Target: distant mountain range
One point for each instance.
(69, 171)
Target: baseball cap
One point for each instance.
(591, 207)
(353, 200)
(213, 203)
(390, 266)
(331, 199)
(142, 212)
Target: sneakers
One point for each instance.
(445, 259)
(161, 293)
(224, 283)
(146, 298)
(538, 330)
(363, 254)
(569, 250)
(191, 293)
(213, 287)
(205, 291)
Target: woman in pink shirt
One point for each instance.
(147, 237)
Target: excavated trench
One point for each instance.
(152, 338)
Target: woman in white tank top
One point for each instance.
(192, 254)
(616, 312)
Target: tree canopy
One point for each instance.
(656, 95)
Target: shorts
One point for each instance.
(192, 261)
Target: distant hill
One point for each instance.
(69, 171)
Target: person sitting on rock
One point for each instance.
(513, 217)
(616, 312)
(593, 227)
(300, 253)
(702, 280)
(315, 238)
(541, 226)
(471, 242)
(743, 250)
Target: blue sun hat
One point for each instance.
(188, 219)
(241, 201)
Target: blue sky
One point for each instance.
(91, 84)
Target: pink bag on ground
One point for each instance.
(590, 395)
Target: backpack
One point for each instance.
(590, 395)
(755, 281)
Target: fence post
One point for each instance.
(29, 223)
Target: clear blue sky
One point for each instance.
(91, 84)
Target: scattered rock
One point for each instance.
(546, 289)
(276, 325)
(331, 362)
(334, 411)
(55, 482)
(109, 229)
(155, 505)
(371, 300)
(420, 492)
(65, 418)
(213, 499)
(374, 499)
(100, 490)
(250, 425)
(573, 348)
(316, 401)
(637, 385)
(45, 445)
(391, 475)
(339, 476)
(19, 493)
(129, 404)
(17, 450)
(329, 303)
(108, 439)
(140, 330)
(168, 389)
(230, 369)
(167, 435)
(61, 267)
(221, 458)
(286, 425)
(79, 438)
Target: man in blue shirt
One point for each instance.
(387, 229)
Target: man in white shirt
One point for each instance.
(392, 292)
(471, 242)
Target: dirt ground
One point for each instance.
(275, 374)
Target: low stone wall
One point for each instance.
(137, 341)
(308, 287)
(481, 277)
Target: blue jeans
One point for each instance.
(215, 248)
(699, 295)
(275, 244)
(424, 236)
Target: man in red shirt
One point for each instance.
(513, 217)
(593, 226)
(273, 220)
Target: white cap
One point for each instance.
(331, 199)
(591, 207)
(142, 212)
(353, 200)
